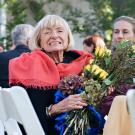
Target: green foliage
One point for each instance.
(105, 14)
(37, 9)
(84, 23)
(108, 10)
(16, 15)
(123, 65)
(98, 20)
(123, 7)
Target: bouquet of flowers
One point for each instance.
(84, 121)
(104, 70)
(119, 65)
(122, 63)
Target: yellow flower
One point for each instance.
(96, 51)
(97, 71)
(108, 52)
(87, 67)
(94, 67)
(133, 47)
(100, 52)
(91, 61)
(103, 75)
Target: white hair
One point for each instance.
(22, 33)
(50, 21)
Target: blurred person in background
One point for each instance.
(21, 36)
(91, 42)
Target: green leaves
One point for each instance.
(107, 61)
(16, 15)
(108, 82)
(123, 44)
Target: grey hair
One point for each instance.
(22, 33)
(50, 21)
(127, 19)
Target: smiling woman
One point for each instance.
(46, 66)
(54, 39)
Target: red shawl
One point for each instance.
(36, 69)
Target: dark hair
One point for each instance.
(88, 41)
(95, 40)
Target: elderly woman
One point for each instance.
(40, 71)
(123, 28)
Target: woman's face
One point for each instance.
(54, 39)
(122, 30)
(88, 49)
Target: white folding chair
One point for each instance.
(12, 127)
(1, 128)
(131, 105)
(2, 109)
(18, 106)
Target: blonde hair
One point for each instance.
(127, 19)
(51, 21)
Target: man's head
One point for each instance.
(21, 34)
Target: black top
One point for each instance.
(43, 98)
(5, 57)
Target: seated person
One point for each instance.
(21, 35)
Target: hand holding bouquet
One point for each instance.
(86, 120)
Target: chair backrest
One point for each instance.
(12, 127)
(18, 106)
(131, 105)
(1, 128)
(2, 109)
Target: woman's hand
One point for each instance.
(70, 103)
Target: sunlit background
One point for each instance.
(85, 17)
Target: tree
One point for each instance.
(85, 23)
(14, 17)
(17, 14)
(108, 10)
